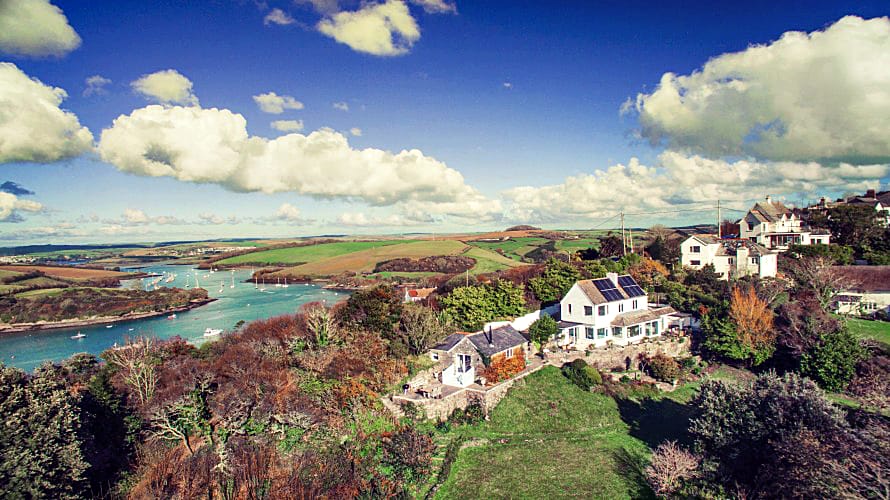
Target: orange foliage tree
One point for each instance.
(753, 319)
(648, 272)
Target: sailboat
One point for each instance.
(197, 285)
(255, 285)
(220, 287)
(233, 279)
(277, 282)
(78, 336)
(263, 288)
(285, 285)
(212, 332)
(187, 277)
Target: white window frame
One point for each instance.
(509, 353)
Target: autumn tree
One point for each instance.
(421, 327)
(648, 272)
(671, 466)
(753, 321)
(376, 309)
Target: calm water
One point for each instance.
(243, 302)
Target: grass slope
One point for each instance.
(549, 439)
(867, 329)
(365, 260)
(514, 248)
(488, 261)
(307, 254)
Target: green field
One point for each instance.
(572, 246)
(307, 254)
(43, 292)
(514, 248)
(867, 329)
(488, 261)
(550, 439)
(405, 274)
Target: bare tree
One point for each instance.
(670, 466)
(818, 275)
(137, 363)
(421, 327)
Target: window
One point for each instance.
(754, 260)
(616, 331)
(601, 333)
(464, 363)
(588, 333)
(435, 356)
(695, 249)
(572, 332)
(633, 331)
(694, 262)
(621, 307)
(634, 304)
(509, 353)
(588, 310)
(602, 310)
(648, 329)
(730, 260)
(655, 328)
(570, 308)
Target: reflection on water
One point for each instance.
(235, 303)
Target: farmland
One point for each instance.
(306, 254)
(66, 272)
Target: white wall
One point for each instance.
(578, 299)
(868, 303)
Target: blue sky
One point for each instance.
(511, 113)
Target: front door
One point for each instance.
(465, 372)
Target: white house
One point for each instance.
(611, 309)
(461, 355)
(867, 291)
(731, 258)
(776, 226)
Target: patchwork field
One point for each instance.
(74, 273)
(514, 248)
(307, 254)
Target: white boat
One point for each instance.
(233, 279)
(263, 288)
(108, 326)
(78, 336)
(212, 332)
(170, 278)
(172, 316)
(130, 329)
(285, 285)
(277, 282)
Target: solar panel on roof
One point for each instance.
(634, 291)
(626, 281)
(603, 284)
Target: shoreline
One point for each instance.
(80, 323)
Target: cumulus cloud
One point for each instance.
(95, 85)
(383, 29)
(213, 146)
(822, 96)
(10, 204)
(679, 179)
(436, 6)
(288, 212)
(270, 102)
(321, 6)
(137, 217)
(214, 219)
(355, 131)
(15, 188)
(35, 28)
(166, 87)
(360, 219)
(63, 229)
(279, 17)
(341, 106)
(288, 125)
(32, 125)
(508, 85)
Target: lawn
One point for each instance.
(307, 254)
(549, 439)
(572, 246)
(868, 329)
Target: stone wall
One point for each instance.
(607, 358)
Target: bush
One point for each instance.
(832, 363)
(664, 368)
(472, 414)
(582, 374)
(543, 329)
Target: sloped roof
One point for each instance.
(497, 340)
(636, 317)
(771, 211)
(866, 278)
(421, 292)
(593, 293)
(449, 342)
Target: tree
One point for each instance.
(136, 362)
(832, 363)
(582, 374)
(816, 274)
(838, 255)
(648, 272)
(472, 306)
(753, 323)
(611, 246)
(320, 323)
(557, 279)
(664, 368)
(376, 309)
(543, 329)
(853, 225)
(671, 466)
(180, 419)
(41, 454)
(421, 327)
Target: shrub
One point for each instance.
(582, 374)
(832, 364)
(664, 368)
(543, 329)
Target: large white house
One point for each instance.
(867, 290)
(731, 258)
(776, 226)
(611, 309)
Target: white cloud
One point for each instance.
(341, 106)
(288, 212)
(384, 29)
(321, 6)
(10, 203)
(360, 219)
(288, 125)
(136, 217)
(822, 96)
(279, 17)
(508, 85)
(166, 87)
(355, 131)
(213, 146)
(436, 6)
(32, 126)
(680, 179)
(35, 28)
(95, 85)
(270, 102)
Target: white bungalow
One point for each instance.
(731, 258)
(611, 309)
(461, 355)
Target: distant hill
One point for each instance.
(522, 227)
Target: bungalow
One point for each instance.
(731, 258)
(776, 226)
(611, 309)
(867, 291)
(417, 294)
(462, 356)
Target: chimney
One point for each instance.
(490, 338)
(870, 193)
(769, 199)
(613, 277)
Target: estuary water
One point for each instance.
(27, 350)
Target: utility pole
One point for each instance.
(623, 237)
(719, 224)
(630, 239)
